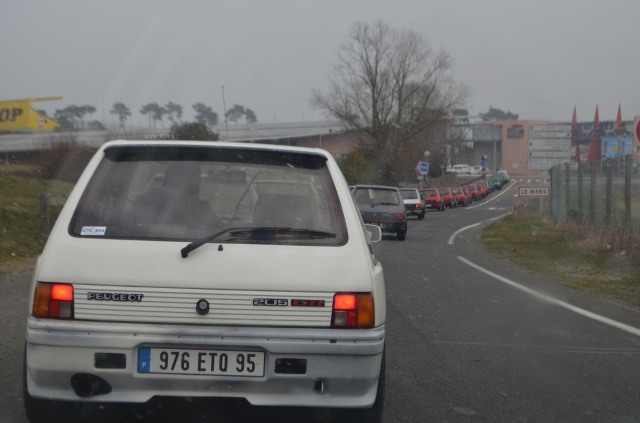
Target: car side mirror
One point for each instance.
(374, 233)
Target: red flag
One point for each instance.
(619, 121)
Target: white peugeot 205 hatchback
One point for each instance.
(207, 269)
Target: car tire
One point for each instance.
(364, 415)
(421, 215)
(48, 411)
(402, 234)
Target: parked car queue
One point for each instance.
(389, 207)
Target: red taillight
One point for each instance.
(53, 301)
(401, 216)
(417, 206)
(62, 292)
(353, 311)
(345, 302)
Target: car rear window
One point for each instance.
(187, 193)
(409, 194)
(371, 196)
(444, 192)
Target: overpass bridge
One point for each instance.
(15, 145)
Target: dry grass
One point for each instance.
(603, 263)
(20, 192)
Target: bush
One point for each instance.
(356, 167)
(193, 131)
(65, 160)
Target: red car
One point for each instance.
(459, 196)
(467, 193)
(447, 197)
(474, 191)
(482, 189)
(432, 198)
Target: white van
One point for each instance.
(207, 269)
(459, 168)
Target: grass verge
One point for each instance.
(20, 192)
(542, 247)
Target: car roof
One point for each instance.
(213, 144)
(376, 187)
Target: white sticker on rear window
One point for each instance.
(93, 230)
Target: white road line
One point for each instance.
(567, 306)
(456, 233)
(573, 350)
(492, 198)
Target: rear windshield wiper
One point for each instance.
(199, 243)
(259, 230)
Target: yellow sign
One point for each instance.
(17, 115)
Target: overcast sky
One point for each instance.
(537, 58)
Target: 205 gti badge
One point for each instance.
(271, 302)
(283, 302)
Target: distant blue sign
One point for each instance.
(483, 163)
(423, 168)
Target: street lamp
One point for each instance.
(426, 159)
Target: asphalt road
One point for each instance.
(469, 339)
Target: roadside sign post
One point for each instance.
(549, 145)
(535, 191)
(423, 169)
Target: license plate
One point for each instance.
(201, 362)
(382, 225)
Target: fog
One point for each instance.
(534, 58)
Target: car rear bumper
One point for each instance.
(413, 210)
(344, 363)
(388, 227)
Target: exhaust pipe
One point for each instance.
(86, 385)
(319, 386)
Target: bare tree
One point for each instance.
(391, 88)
